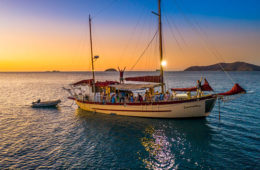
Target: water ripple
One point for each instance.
(71, 138)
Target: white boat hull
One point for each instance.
(180, 109)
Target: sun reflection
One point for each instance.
(159, 150)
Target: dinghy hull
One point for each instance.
(46, 104)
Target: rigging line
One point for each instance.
(175, 38)
(204, 40)
(104, 8)
(217, 54)
(140, 35)
(203, 33)
(132, 34)
(180, 34)
(214, 51)
(144, 51)
(81, 45)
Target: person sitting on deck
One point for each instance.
(113, 98)
(132, 98)
(156, 96)
(146, 96)
(149, 97)
(173, 95)
(161, 97)
(167, 95)
(122, 96)
(188, 95)
(140, 98)
(117, 97)
(121, 73)
(104, 96)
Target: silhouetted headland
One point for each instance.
(111, 70)
(236, 66)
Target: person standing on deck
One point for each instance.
(198, 88)
(121, 73)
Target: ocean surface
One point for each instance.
(68, 137)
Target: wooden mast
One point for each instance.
(91, 53)
(160, 45)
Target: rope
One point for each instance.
(201, 33)
(104, 8)
(175, 38)
(73, 102)
(144, 51)
(132, 34)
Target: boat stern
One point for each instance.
(209, 105)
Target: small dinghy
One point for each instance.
(39, 104)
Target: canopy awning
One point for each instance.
(204, 87)
(134, 86)
(236, 89)
(154, 79)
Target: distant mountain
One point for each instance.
(111, 70)
(236, 66)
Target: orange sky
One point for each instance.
(30, 43)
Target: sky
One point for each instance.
(48, 35)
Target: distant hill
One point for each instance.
(111, 70)
(236, 66)
(53, 71)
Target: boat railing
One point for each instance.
(128, 101)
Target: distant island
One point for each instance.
(111, 70)
(53, 71)
(236, 66)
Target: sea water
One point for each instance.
(68, 137)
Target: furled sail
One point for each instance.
(105, 83)
(154, 79)
(83, 82)
(204, 87)
(97, 84)
(236, 89)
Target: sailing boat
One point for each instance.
(101, 97)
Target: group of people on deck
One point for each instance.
(122, 96)
(129, 97)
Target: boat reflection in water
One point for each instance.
(145, 143)
(175, 142)
(159, 149)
